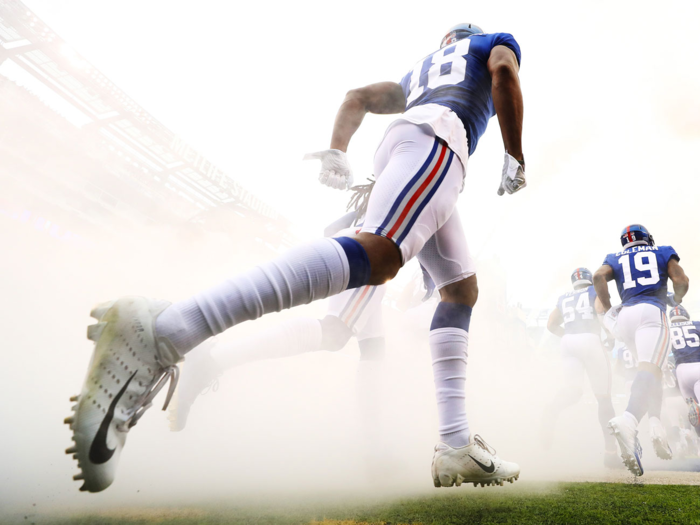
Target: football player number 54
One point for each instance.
(447, 67)
(643, 262)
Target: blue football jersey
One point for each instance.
(578, 310)
(685, 338)
(456, 77)
(641, 274)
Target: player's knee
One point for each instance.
(384, 257)
(372, 349)
(335, 334)
(465, 291)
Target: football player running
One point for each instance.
(446, 102)
(685, 337)
(641, 271)
(582, 353)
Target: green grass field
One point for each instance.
(530, 503)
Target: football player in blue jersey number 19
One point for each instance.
(641, 271)
(582, 353)
(446, 101)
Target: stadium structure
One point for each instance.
(79, 156)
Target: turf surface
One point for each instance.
(532, 503)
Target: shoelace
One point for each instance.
(170, 373)
(480, 441)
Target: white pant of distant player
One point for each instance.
(583, 354)
(688, 375)
(644, 329)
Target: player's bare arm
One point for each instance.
(507, 98)
(554, 323)
(602, 276)
(680, 280)
(382, 98)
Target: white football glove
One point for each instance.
(335, 168)
(513, 177)
(610, 319)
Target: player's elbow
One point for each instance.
(503, 71)
(599, 279)
(358, 97)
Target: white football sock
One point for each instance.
(304, 274)
(293, 337)
(448, 348)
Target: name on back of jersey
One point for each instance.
(635, 249)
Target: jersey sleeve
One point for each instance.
(506, 39)
(609, 260)
(406, 84)
(670, 253)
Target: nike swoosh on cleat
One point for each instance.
(486, 468)
(99, 451)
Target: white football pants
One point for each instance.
(644, 329)
(583, 354)
(688, 375)
(413, 201)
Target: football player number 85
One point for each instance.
(643, 262)
(447, 67)
(683, 336)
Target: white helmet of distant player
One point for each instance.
(459, 32)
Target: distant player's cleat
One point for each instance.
(476, 463)
(693, 412)
(659, 439)
(199, 374)
(630, 449)
(127, 370)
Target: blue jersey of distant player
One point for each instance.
(456, 77)
(641, 274)
(578, 310)
(685, 338)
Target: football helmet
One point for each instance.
(581, 276)
(459, 32)
(678, 314)
(636, 234)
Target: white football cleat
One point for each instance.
(658, 439)
(199, 373)
(127, 370)
(476, 463)
(626, 434)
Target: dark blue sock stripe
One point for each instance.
(408, 188)
(426, 200)
(357, 260)
(451, 315)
